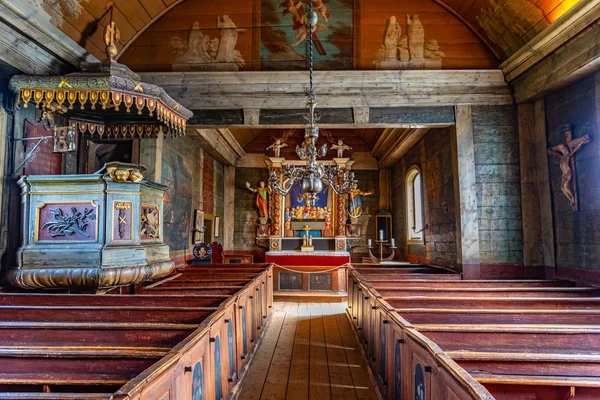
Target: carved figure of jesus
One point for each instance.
(566, 151)
(277, 146)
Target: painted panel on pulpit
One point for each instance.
(284, 34)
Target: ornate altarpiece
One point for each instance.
(333, 231)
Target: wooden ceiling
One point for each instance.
(471, 33)
(257, 140)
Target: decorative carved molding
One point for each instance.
(87, 277)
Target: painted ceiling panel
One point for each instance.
(480, 34)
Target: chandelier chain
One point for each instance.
(314, 174)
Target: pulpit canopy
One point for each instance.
(105, 99)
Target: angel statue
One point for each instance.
(340, 147)
(277, 146)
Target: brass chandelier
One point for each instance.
(312, 175)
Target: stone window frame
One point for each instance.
(414, 206)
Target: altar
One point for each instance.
(310, 276)
(307, 238)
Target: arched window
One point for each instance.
(414, 205)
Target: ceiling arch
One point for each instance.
(501, 26)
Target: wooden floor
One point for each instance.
(308, 352)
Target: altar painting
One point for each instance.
(318, 217)
(284, 35)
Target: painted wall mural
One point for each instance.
(56, 9)
(511, 24)
(177, 175)
(284, 34)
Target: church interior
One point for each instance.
(300, 199)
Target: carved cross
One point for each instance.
(566, 153)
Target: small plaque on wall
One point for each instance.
(290, 280)
(321, 281)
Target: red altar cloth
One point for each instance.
(334, 259)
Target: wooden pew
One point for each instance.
(522, 340)
(87, 346)
(377, 282)
(182, 315)
(93, 334)
(390, 292)
(499, 316)
(197, 300)
(515, 303)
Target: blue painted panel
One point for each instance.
(230, 349)
(419, 383)
(398, 371)
(217, 364)
(244, 328)
(197, 382)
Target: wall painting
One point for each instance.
(284, 34)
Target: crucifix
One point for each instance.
(566, 153)
(307, 246)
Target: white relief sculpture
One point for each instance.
(203, 53)
(409, 51)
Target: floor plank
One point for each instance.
(279, 370)
(340, 377)
(358, 365)
(319, 386)
(252, 385)
(309, 352)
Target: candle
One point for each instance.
(369, 241)
(393, 242)
(381, 235)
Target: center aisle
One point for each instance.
(308, 352)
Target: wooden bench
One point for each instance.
(88, 346)
(521, 339)
(389, 292)
(499, 316)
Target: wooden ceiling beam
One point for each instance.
(336, 89)
(403, 143)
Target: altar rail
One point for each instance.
(405, 363)
(188, 336)
(461, 339)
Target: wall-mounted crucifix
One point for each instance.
(566, 153)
